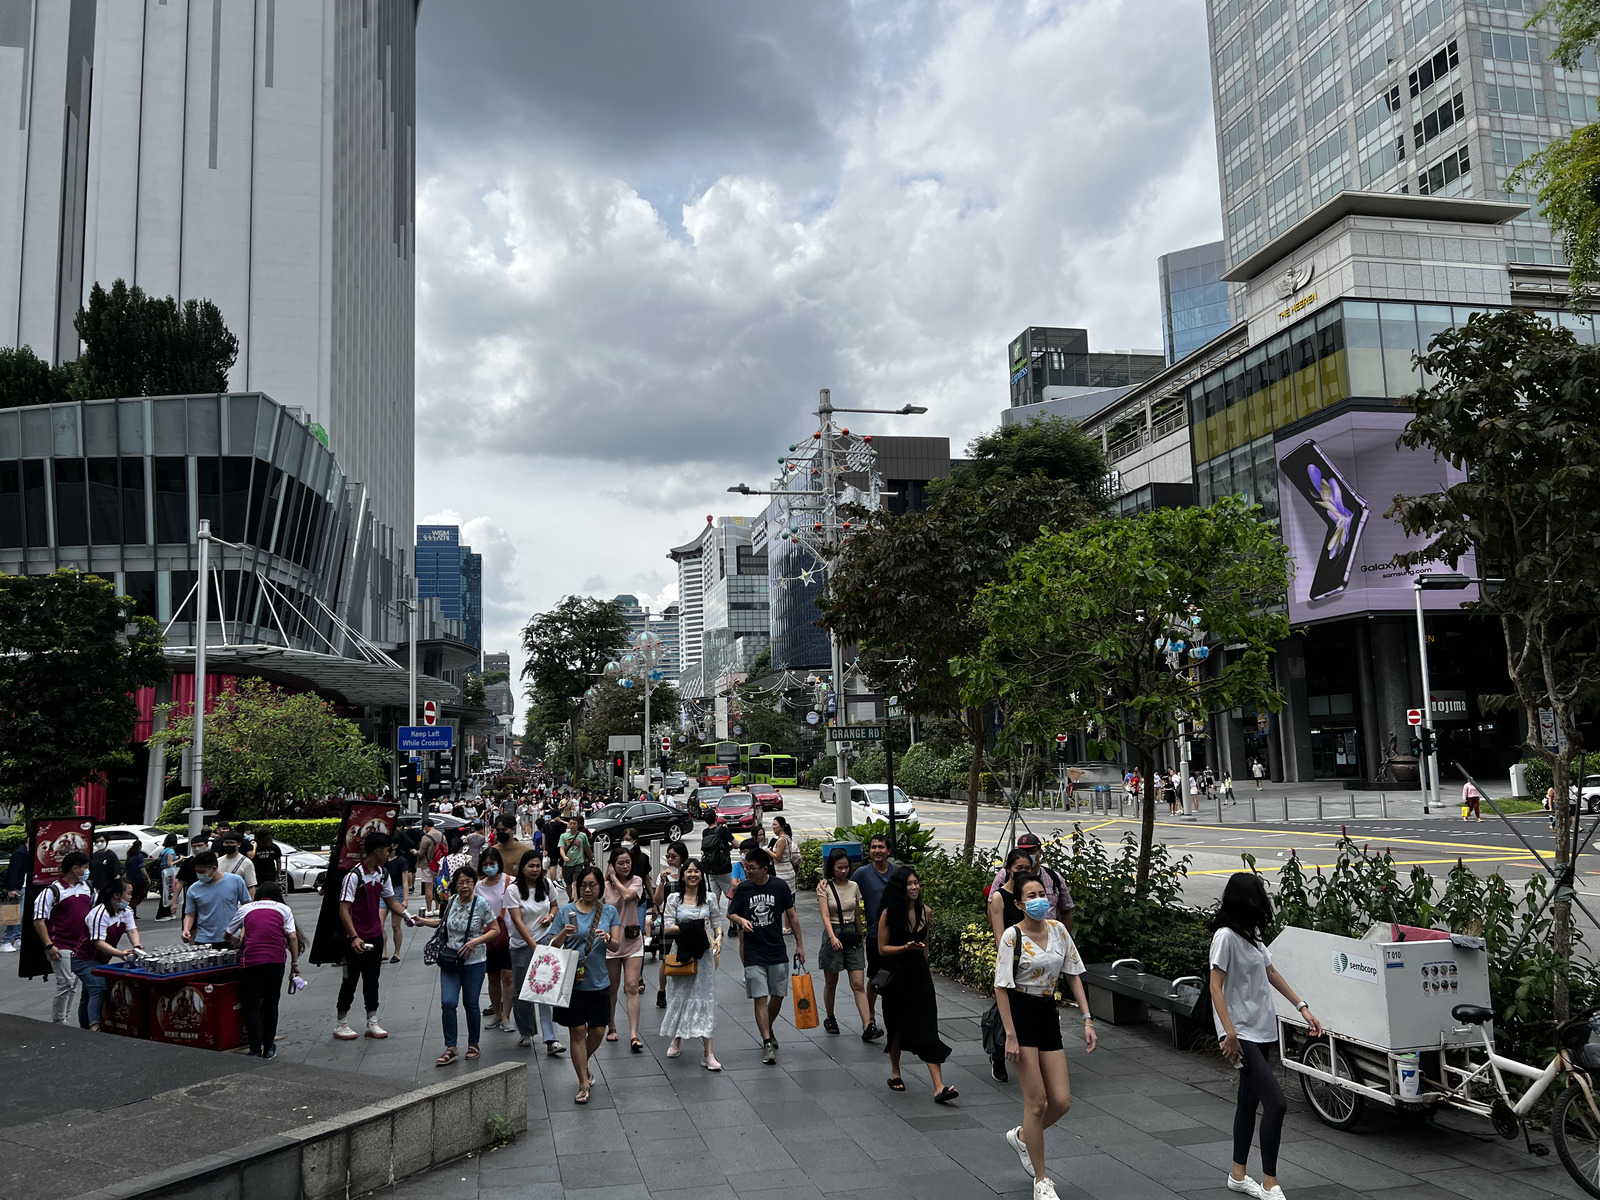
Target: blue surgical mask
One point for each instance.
(1038, 908)
(490, 872)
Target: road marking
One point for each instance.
(1524, 860)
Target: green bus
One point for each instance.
(776, 769)
(714, 754)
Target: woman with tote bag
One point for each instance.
(694, 921)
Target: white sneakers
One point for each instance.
(344, 1033)
(1014, 1139)
(374, 1030)
(8, 948)
(1043, 1189)
(1251, 1188)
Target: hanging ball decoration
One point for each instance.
(845, 432)
(625, 683)
(794, 447)
(612, 668)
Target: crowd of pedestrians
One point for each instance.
(529, 874)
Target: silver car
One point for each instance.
(870, 802)
(302, 867)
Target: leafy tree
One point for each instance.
(1047, 446)
(268, 750)
(902, 587)
(617, 710)
(1074, 634)
(72, 653)
(25, 379)
(140, 345)
(566, 647)
(761, 664)
(1517, 402)
(472, 693)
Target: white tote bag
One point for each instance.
(551, 976)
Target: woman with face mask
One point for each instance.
(105, 925)
(1031, 956)
(492, 888)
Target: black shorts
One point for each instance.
(499, 958)
(874, 959)
(1037, 1021)
(592, 1009)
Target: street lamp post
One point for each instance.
(197, 752)
(831, 533)
(1431, 583)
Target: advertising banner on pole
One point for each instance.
(1335, 482)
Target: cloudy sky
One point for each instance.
(648, 232)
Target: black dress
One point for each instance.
(910, 1008)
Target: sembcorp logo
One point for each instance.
(1363, 968)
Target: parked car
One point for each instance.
(741, 810)
(444, 824)
(654, 821)
(1590, 791)
(825, 793)
(771, 798)
(302, 869)
(870, 802)
(675, 784)
(121, 838)
(703, 801)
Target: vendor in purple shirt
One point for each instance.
(367, 890)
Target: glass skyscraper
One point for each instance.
(1427, 97)
(448, 571)
(1194, 300)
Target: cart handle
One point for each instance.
(1138, 966)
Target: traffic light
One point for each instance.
(617, 761)
(1425, 740)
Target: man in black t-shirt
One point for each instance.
(761, 906)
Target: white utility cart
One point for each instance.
(1407, 1022)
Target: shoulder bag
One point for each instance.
(439, 952)
(851, 936)
(588, 945)
(992, 1028)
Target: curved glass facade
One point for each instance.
(117, 488)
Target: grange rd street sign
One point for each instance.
(856, 733)
(426, 737)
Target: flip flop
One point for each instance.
(946, 1094)
(636, 1046)
(897, 1085)
(582, 1097)
(611, 1036)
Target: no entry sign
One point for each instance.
(1413, 716)
(430, 713)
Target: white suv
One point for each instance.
(870, 802)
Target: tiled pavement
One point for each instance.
(1147, 1122)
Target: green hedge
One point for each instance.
(12, 836)
(307, 835)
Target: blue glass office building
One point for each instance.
(1194, 300)
(448, 570)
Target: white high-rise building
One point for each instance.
(691, 597)
(1426, 97)
(261, 155)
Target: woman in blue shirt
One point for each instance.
(592, 928)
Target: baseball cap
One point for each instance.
(1029, 841)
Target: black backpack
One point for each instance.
(716, 846)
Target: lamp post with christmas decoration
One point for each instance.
(639, 667)
(816, 463)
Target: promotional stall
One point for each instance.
(181, 996)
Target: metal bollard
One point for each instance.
(1252, 808)
(1383, 803)
(1286, 808)
(1352, 806)
(1319, 807)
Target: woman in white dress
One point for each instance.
(694, 921)
(778, 847)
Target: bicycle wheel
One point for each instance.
(1576, 1133)
(1335, 1106)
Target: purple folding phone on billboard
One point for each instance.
(1335, 482)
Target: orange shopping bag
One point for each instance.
(805, 998)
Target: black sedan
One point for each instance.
(703, 800)
(653, 821)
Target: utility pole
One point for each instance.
(830, 540)
(197, 752)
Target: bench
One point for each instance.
(1123, 993)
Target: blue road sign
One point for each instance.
(426, 737)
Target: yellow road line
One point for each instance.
(1518, 860)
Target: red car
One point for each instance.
(770, 797)
(740, 809)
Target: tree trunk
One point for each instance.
(1147, 820)
(975, 734)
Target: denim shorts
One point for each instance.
(766, 979)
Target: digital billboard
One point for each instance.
(1335, 482)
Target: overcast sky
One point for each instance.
(648, 232)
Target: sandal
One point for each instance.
(472, 1052)
(946, 1094)
(673, 1050)
(582, 1097)
(445, 1059)
(636, 1045)
(897, 1084)
(611, 1035)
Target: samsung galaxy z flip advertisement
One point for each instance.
(1335, 482)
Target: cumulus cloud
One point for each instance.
(647, 234)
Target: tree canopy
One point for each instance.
(566, 647)
(1074, 636)
(72, 653)
(267, 749)
(1045, 446)
(472, 693)
(619, 710)
(25, 379)
(1518, 402)
(902, 587)
(140, 345)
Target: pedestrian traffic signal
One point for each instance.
(617, 761)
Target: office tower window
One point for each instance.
(1285, 201)
(1435, 69)
(1443, 176)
